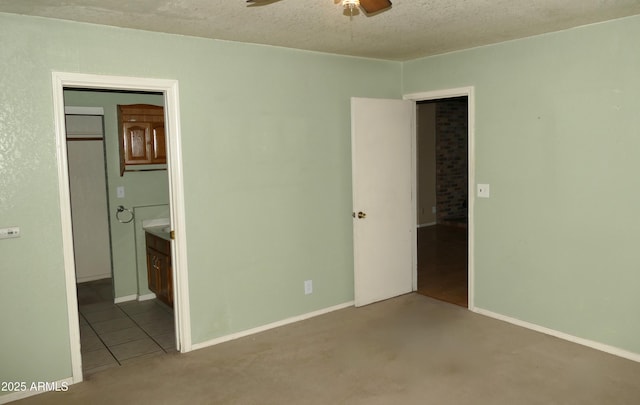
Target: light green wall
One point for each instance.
(266, 149)
(558, 138)
(141, 188)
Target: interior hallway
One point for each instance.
(443, 264)
(407, 350)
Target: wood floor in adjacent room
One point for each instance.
(442, 263)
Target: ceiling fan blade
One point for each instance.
(373, 6)
(257, 3)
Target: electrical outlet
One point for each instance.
(308, 287)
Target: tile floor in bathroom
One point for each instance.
(114, 334)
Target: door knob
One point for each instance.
(361, 215)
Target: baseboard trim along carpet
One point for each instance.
(616, 351)
(273, 325)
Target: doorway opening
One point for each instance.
(442, 164)
(443, 186)
(122, 320)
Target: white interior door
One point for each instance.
(88, 191)
(383, 234)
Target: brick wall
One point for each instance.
(451, 161)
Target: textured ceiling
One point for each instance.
(410, 29)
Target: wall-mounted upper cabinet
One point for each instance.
(142, 139)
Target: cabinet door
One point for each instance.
(158, 143)
(153, 271)
(159, 271)
(169, 282)
(166, 293)
(137, 143)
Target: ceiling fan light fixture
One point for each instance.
(350, 4)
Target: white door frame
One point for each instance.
(442, 94)
(169, 88)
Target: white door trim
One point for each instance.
(61, 80)
(435, 95)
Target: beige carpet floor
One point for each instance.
(407, 350)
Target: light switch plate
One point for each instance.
(483, 191)
(120, 191)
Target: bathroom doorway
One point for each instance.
(115, 319)
(117, 324)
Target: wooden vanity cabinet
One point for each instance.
(159, 270)
(141, 135)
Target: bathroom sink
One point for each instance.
(160, 227)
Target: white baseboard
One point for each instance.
(14, 396)
(93, 277)
(427, 224)
(616, 351)
(263, 328)
(134, 297)
(126, 298)
(147, 297)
